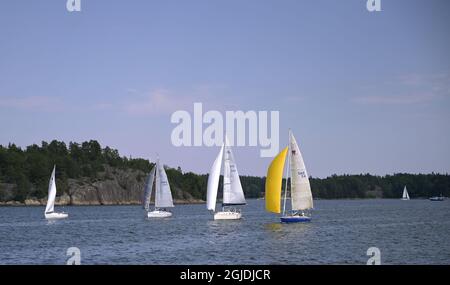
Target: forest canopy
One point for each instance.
(29, 170)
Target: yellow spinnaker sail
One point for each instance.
(273, 182)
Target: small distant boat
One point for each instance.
(405, 194)
(233, 195)
(49, 213)
(301, 196)
(163, 195)
(437, 198)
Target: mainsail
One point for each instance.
(213, 182)
(51, 193)
(163, 195)
(273, 182)
(301, 196)
(149, 188)
(405, 194)
(232, 188)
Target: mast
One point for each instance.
(226, 185)
(287, 174)
(157, 183)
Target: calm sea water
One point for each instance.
(406, 232)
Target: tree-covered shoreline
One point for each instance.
(27, 172)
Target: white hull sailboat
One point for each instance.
(405, 195)
(228, 215)
(54, 216)
(437, 198)
(50, 213)
(301, 196)
(233, 195)
(163, 195)
(159, 214)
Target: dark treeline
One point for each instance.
(29, 170)
(389, 186)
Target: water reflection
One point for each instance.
(273, 227)
(122, 234)
(52, 222)
(280, 231)
(224, 226)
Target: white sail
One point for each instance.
(405, 194)
(149, 188)
(51, 193)
(213, 182)
(232, 188)
(163, 195)
(301, 196)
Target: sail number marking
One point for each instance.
(302, 174)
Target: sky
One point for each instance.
(363, 92)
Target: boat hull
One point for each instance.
(405, 199)
(437, 199)
(159, 214)
(227, 215)
(295, 219)
(55, 216)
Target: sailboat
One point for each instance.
(163, 195)
(233, 194)
(301, 196)
(49, 209)
(405, 194)
(437, 198)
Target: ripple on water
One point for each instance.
(411, 232)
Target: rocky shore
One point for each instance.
(112, 187)
(62, 201)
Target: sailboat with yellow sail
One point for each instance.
(300, 189)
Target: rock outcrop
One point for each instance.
(111, 187)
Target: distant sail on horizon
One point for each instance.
(405, 195)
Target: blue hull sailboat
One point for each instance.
(301, 195)
(295, 219)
